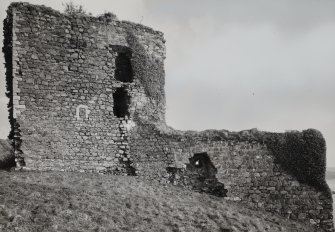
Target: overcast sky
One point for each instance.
(236, 65)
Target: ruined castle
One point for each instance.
(86, 94)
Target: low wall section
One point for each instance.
(283, 173)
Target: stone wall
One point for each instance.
(64, 88)
(87, 94)
(253, 174)
(242, 166)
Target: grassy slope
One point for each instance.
(33, 201)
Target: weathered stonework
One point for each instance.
(64, 87)
(87, 94)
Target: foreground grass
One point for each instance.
(34, 201)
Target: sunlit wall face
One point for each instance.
(236, 64)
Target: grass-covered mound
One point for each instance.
(34, 201)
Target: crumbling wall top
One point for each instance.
(42, 9)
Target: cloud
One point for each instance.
(285, 12)
(261, 64)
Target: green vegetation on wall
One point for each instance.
(302, 154)
(148, 70)
(7, 50)
(6, 155)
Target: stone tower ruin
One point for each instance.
(77, 84)
(86, 94)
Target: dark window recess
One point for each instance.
(201, 164)
(121, 102)
(200, 175)
(123, 70)
(203, 172)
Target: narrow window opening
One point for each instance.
(123, 68)
(121, 102)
